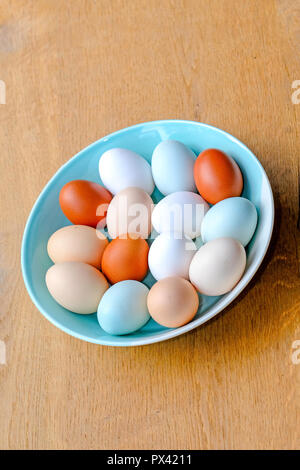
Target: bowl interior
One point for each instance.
(46, 217)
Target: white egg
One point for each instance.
(173, 167)
(218, 266)
(120, 168)
(182, 211)
(170, 255)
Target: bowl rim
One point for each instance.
(171, 333)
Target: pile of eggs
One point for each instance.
(198, 232)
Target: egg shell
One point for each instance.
(172, 167)
(78, 287)
(182, 211)
(217, 176)
(85, 203)
(123, 308)
(218, 266)
(120, 168)
(173, 302)
(130, 212)
(125, 259)
(170, 255)
(235, 217)
(77, 243)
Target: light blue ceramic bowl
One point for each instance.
(46, 217)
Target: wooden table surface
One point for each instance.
(76, 71)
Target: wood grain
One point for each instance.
(75, 71)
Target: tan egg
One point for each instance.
(77, 243)
(78, 287)
(218, 266)
(130, 212)
(172, 302)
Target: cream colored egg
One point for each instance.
(76, 286)
(218, 266)
(172, 302)
(77, 243)
(130, 212)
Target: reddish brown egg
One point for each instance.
(125, 258)
(217, 176)
(85, 203)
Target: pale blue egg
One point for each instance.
(235, 217)
(123, 308)
(173, 167)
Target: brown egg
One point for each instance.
(85, 202)
(130, 212)
(125, 258)
(217, 176)
(77, 243)
(172, 302)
